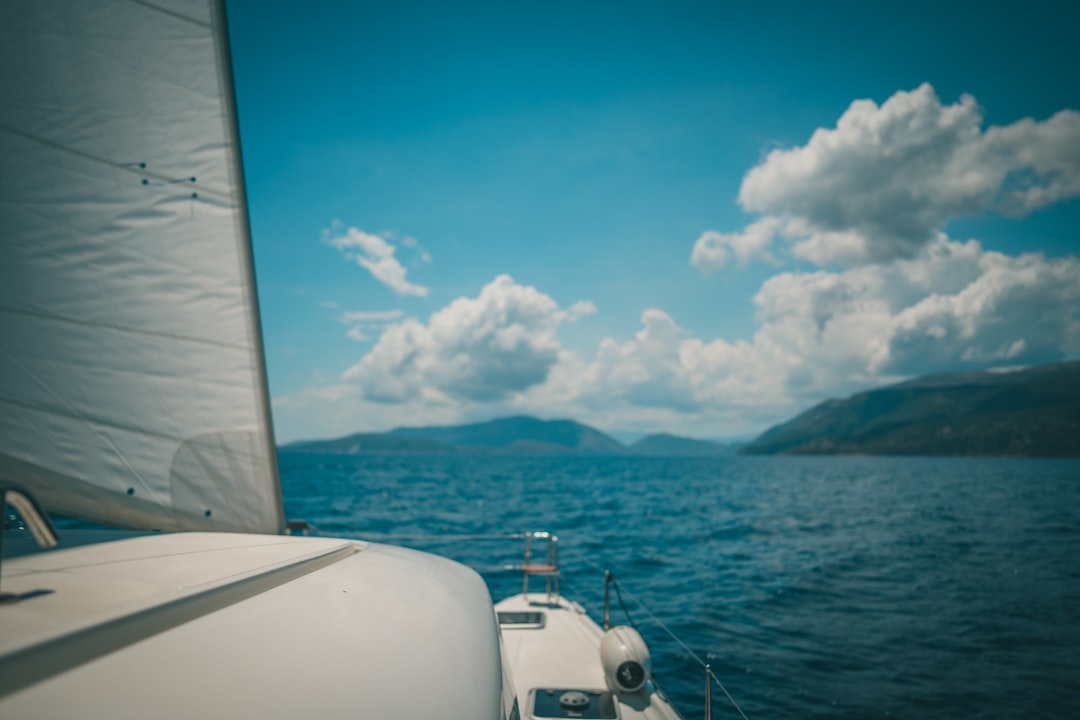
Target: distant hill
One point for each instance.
(372, 444)
(1033, 413)
(663, 444)
(519, 435)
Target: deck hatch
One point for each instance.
(573, 703)
(518, 619)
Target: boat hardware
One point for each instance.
(33, 518)
(300, 527)
(608, 577)
(708, 693)
(548, 569)
(610, 580)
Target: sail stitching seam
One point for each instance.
(126, 167)
(173, 13)
(141, 429)
(122, 328)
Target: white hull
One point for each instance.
(230, 625)
(246, 626)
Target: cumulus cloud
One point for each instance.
(1023, 310)
(364, 321)
(579, 310)
(954, 306)
(376, 255)
(481, 349)
(648, 370)
(356, 332)
(420, 255)
(333, 410)
(868, 201)
(883, 182)
(370, 316)
(713, 250)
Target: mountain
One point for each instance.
(663, 444)
(506, 436)
(1033, 412)
(371, 444)
(518, 435)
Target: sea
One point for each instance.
(825, 587)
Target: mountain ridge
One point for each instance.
(668, 445)
(513, 435)
(521, 432)
(1030, 412)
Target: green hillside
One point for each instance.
(1025, 413)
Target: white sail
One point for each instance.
(132, 385)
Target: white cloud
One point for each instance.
(1024, 310)
(822, 334)
(713, 250)
(873, 195)
(356, 333)
(370, 316)
(420, 255)
(1043, 161)
(887, 178)
(579, 310)
(649, 370)
(369, 320)
(954, 306)
(327, 411)
(481, 349)
(376, 255)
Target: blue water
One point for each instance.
(816, 587)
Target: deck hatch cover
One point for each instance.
(564, 703)
(521, 619)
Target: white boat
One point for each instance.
(133, 394)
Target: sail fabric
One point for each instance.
(132, 384)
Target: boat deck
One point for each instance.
(553, 647)
(175, 626)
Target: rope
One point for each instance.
(626, 611)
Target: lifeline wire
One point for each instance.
(667, 630)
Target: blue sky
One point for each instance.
(695, 218)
